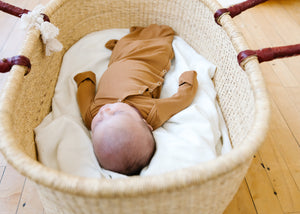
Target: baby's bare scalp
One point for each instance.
(125, 149)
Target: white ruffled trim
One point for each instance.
(49, 31)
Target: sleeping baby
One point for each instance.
(126, 107)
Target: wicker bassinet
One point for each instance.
(204, 188)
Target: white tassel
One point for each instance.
(53, 45)
(49, 32)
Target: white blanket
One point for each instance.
(192, 136)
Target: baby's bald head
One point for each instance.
(122, 140)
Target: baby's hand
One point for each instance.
(111, 44)
(81, 77)
(189, 77)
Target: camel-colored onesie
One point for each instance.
(135, 76)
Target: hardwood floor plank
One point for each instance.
(286, 98)
(11, 188)
(282, 181)
(242, 201)
(7, 21)
(264, 34)
(30, 201)
(279, 17)
(261, 189)
(3, 162)
(293, 64)
(14, 42)
(2, 168)
(294, 92)
(17, 36)
(292, 7)
(288, 110)
(277, 86)
(287, 144)
(282, 35)
(12, 35)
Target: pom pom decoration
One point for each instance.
(49, 32)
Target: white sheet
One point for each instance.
(194, 135)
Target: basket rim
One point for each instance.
(136, 185)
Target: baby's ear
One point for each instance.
(111, 44)
(149, 126)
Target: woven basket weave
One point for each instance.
(204, 188)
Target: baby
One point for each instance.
(126, 107)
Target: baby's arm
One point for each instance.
(167, 107)
(86, 83)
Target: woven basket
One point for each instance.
(204, 188)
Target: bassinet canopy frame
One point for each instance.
(81, 195)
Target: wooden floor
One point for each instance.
(272, 184)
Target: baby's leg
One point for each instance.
(111, 44)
